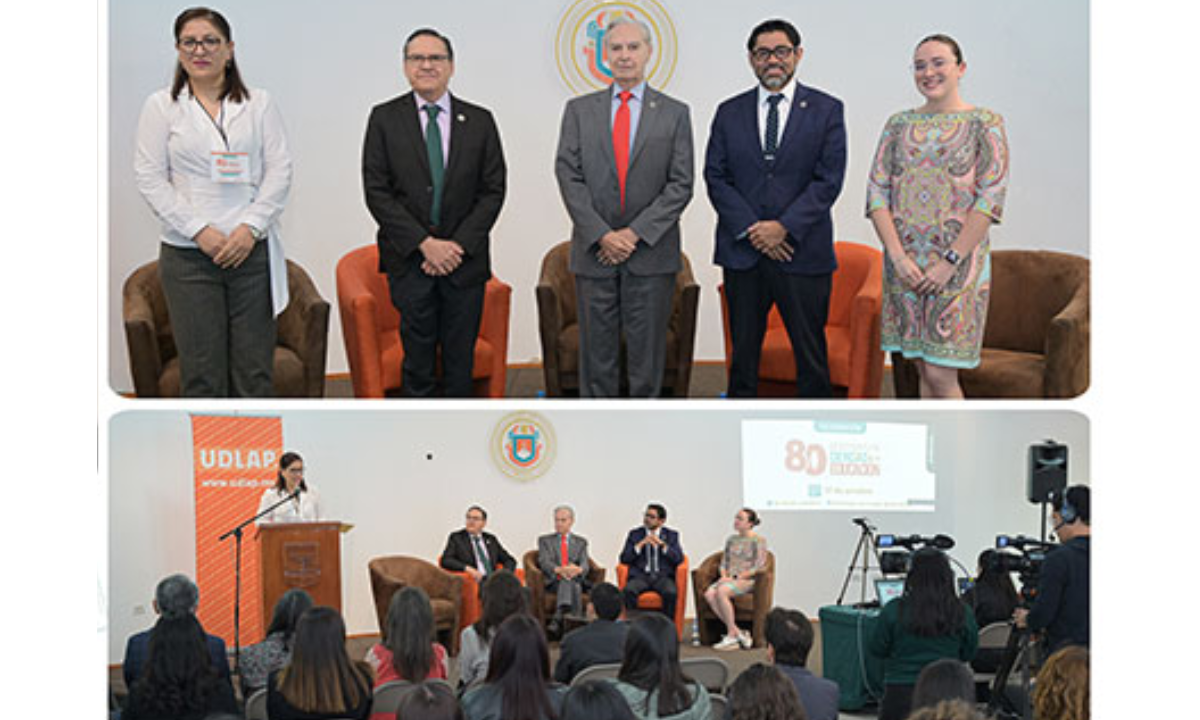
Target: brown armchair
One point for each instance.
(851, 332)
(543, 603)
(558, 323)
(371, 330)
(302, 331)
(391, 573)
(1036, 343)
(751, 608)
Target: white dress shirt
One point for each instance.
(305, 508)
(172, 164)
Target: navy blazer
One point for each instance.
(797, 188)
(668, 559)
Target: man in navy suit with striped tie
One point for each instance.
(774, 166)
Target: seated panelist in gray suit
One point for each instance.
(563, 560)
(625, 171)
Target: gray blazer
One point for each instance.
(550, 555)
(658, 185)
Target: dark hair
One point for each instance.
(429, 701)
(790, 635)
(1063, 685)
(519, 666)
(606, 598)
(763, 692)
(431, 33)
(993, 597)
(595, 700)
(287, 459)
(176, 596)
(321, 677)
(651, 663)
(930, 606)
(235, 89)
(945, 679)
(753, 516)
(1079, 497)
(409, 633)
(481, 511)
(662, 511)
(502, 597)
(288, 609)
(179, 677)
(774, 25)
(945, 40)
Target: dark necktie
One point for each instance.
(621, 142)
(481, 553)
(771, 143)
(437, 169)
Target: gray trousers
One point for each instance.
(637, 307)
(222, 321)
(569, 594)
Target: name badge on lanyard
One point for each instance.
(229, 167)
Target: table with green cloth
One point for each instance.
(845, 636)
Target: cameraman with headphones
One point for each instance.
(1063, 600)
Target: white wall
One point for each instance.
(372, 471)
(326, 66)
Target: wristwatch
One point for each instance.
(255, 232)
(952, 257)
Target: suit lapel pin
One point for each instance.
(803, 103)
(462, 118)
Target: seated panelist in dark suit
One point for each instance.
(653, 553)
(174, 596)
(599, 642)
(434, 178)
(475, 552)
(774, 166)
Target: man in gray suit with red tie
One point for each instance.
(774, 166)
(434, 179)
(563, 560)
(625, 171)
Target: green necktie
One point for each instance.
(437, 170)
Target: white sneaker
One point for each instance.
(745, 640)
(729, 642)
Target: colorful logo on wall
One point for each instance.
(523, 446)
(579, 43)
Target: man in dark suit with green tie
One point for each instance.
(434, 179)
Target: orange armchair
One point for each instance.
(371, 329)
(651, 600)
(852, 331)
(472, 605)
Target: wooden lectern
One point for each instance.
(300, 555)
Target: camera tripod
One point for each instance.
(866, 547)
(1021, 655)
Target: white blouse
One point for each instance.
(305, 508)
(176, 140)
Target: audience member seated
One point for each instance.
(179, 682)
(430, 701)
(1063, 687)
(175, 596)
(763, 692)
(601, 641)
(596, 700)
(473, 551)
(261, 659)
(789, 641)
(927, 623)
(993, 599)
(518, 684)
(944, 679)
(503, 596)
(651, 678)
(321, 682)
(409, 650)
(949, 710)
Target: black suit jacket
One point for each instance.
(459, 554)
(137, 652)
(599, 642)
(399, 189)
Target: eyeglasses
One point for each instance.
(782, 52)
(422, 59)
(190, 45)
(476, 518)
(936, 63)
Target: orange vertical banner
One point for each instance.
(234, 460)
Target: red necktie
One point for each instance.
(621, 142)
(564, 550)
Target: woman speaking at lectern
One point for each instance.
(303, 507)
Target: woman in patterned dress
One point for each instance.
(936, 186)
(744, 557)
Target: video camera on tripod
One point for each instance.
(896, 557)
(1024, 556)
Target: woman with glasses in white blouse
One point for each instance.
(302, 504)
(212, 161)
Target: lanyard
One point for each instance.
(218, 122)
